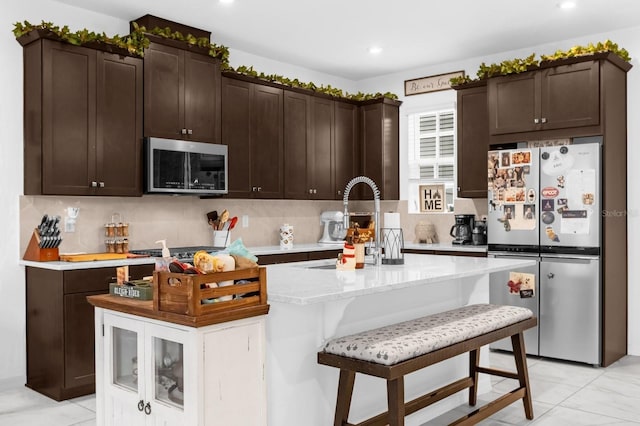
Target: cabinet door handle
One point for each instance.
(147, 409)
(183, 131)
(536, 120)
(310, 191)
(101, 184)
(339, 192)
(254, 188)
(259, 188)
(94, 184)
(140, 405)
(190, 131)
(544, 120)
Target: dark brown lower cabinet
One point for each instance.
(60, 328)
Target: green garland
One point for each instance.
(515, 66)
(327, 90)
(136, 42)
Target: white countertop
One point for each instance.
(446, 247)
(296, 283)
(69, 266)
(297, 248)
(258, 251)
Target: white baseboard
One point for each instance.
(11, 383)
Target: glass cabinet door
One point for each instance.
(168, 369)
(125, 359)
(124, 371)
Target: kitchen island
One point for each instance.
(312, 302)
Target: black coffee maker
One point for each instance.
(461, 231)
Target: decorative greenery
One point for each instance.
(136, 42)
(517, 65)
(217, 51)
(327, 90)
(590, 49)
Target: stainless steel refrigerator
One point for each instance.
(544, 204)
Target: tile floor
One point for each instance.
(564, 394)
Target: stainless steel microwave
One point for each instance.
(185, 167)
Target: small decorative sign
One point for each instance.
(433, 83)
(432, 198)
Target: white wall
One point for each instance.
(12, 311)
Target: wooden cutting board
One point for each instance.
(90, 257)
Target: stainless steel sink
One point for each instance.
(331, 266)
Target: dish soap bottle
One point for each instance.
(162, 264)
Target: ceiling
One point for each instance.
(333, 36)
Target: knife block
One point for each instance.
(37, 254)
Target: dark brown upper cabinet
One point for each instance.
(346, 152)
(473, 141)
(181, 94)
(379, 134)
(252, 129)
(82, 120)
(308, 147)
(566, 96)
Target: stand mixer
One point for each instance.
(334, 230)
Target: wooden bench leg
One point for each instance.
(395, 401)
(517, 340)
(343, 402)
(474, 362)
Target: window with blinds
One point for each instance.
(432, 152)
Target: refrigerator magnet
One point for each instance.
(548, 218)
(531, 195)
(547, 205)
(551, 234)
(522, 284)
(588, 198)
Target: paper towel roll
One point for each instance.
(286, 236)
(391, 220)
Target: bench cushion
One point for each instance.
(398, 342)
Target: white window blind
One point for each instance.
(432, 152)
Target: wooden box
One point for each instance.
(184, 293)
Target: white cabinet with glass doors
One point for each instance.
(151, 372)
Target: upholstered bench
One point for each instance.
(393, 351)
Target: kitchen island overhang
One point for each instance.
(311, 304)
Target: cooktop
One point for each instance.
(181, 253)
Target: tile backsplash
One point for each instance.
(182, 221)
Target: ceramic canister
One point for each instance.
(286, 236)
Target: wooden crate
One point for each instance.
(182, 293)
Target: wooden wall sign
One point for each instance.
(432, 198)
(433, 83)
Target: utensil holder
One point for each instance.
(221, 238)
(393, 246)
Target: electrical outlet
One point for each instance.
(245, 221)
(69, 225)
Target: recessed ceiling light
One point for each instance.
(567, 5)
(375, 50)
